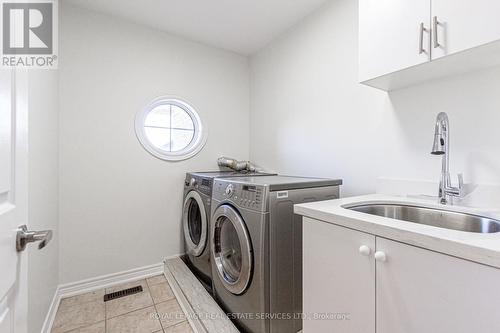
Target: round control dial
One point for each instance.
(229, 190)
(193, 182)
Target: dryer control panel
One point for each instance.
(241, 195)
(200, 184)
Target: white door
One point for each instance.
(390, 36)
(13, 199)
(464, 24)
(338, 280)
(423, 291)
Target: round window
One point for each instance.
(170, 129)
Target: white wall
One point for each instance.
(309, 115)
(120, 208)
(43, 265)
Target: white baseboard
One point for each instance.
(100, 282)
(109, 280)
(51, 314)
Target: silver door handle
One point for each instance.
(435, 24)
(24, 236)
(421, 39)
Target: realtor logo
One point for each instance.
(29, 34)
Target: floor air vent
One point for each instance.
(122, 293)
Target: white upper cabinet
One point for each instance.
(464, 24)
(402, 43)
(393, 35)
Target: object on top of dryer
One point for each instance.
(236, 165)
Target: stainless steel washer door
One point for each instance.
(194, 219)
(231, 249)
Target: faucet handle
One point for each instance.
(456, 191)
(461, 190)
(460, 180)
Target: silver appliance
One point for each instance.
(256, 248)
(196, 218)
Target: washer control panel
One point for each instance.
(242, 195)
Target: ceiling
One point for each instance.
(242, 26)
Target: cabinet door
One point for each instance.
(464, 24)
(389, 36)
(423, 291)
(338, 281)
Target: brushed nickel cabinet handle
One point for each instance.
(421, 39)
(435, 24)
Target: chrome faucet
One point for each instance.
(441, 146)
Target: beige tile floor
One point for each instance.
(155, 309)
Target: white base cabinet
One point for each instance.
(424, 291)
(337, 279)
(405, 290)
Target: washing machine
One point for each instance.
(256, 248)
(196, 218)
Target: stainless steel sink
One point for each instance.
(431, 216)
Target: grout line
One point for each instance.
(156, 309)
(126, 313)
(86, 326)
(158, 316)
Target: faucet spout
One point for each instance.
(441, 146)
(441, 136)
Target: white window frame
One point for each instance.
(199, 137)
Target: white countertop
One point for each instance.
(481, 248)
